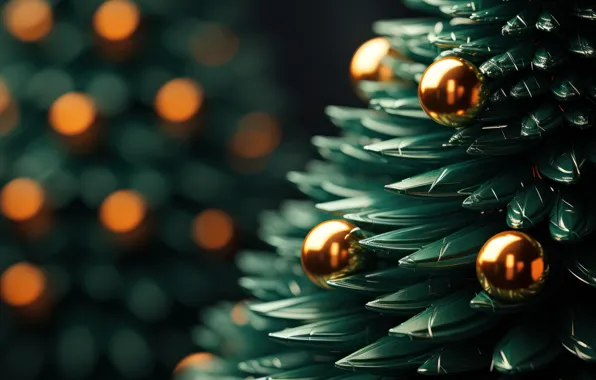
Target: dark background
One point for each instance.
(315, 41)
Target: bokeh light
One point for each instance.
(214, 46)
(199, 360)
(22, 284)
(28, 20)
(212, 229)
(258, 135)
(116, 20)
(179, 100)
(123, 211)
(72, 114)
(22, 199)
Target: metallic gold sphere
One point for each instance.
(512, 266)
(329, 252)
(452, 91)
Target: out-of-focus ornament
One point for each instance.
(123, 211)
(212, 230)
(452, 91)
(512, 266)
(22, 284)
(368, 64)
(28, 20)
(22, 199)
(116, 20)
(330, 251)
(179, 100)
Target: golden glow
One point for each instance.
(214, 46)
(22, 284)
(318, 237)
(493, 249)
(329, 252)
(258, 135)
(199, 360)
(123, 211)
(435, 77)
(116, 20)
(212, 229)
(179, 100)
(28, 20)
(239, 316)
(537, 269)
(367, 59)
(72, 114)
(22, 199)
(512, 266)
(452, 91)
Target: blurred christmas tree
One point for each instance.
(454, 221)
(138, 139)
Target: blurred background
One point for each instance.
(139, 140)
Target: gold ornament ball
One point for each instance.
(452, 91)
(512, 266)
(329, 252)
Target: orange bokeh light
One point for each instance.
(22, 284)
(72, 114)
(22, 199)
(212, 229)
(116, 20)
(28, 20)
(123, 211)
(199, 360)
(258, 135)
(179, 100)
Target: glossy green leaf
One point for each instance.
(457, 180)
(269, 289)
(313, 372)
(499, 190)
(395, 244)
(580, 260)
(318, 306)
(582, 44)
(578, 335)
(530, 205)
(571, 218)
(528, 346)
(415, 298)
(449, 319)
(381, 281)
(484, 302)
(341, 334)
(454, 252)
(567, 86)
(389, 356)
(499, 13)
(549, 55)
(504, 140)
(550, 20)
(514, 60)
(459, 359)
(283, 361)
(542, 121)
(580, 115)
(521, 24)
(532, 85)
(560, 161)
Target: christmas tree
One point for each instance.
(138, 139)
(450, 231)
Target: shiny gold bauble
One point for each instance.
(512, 266)
(452, 91)
(330, 251)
